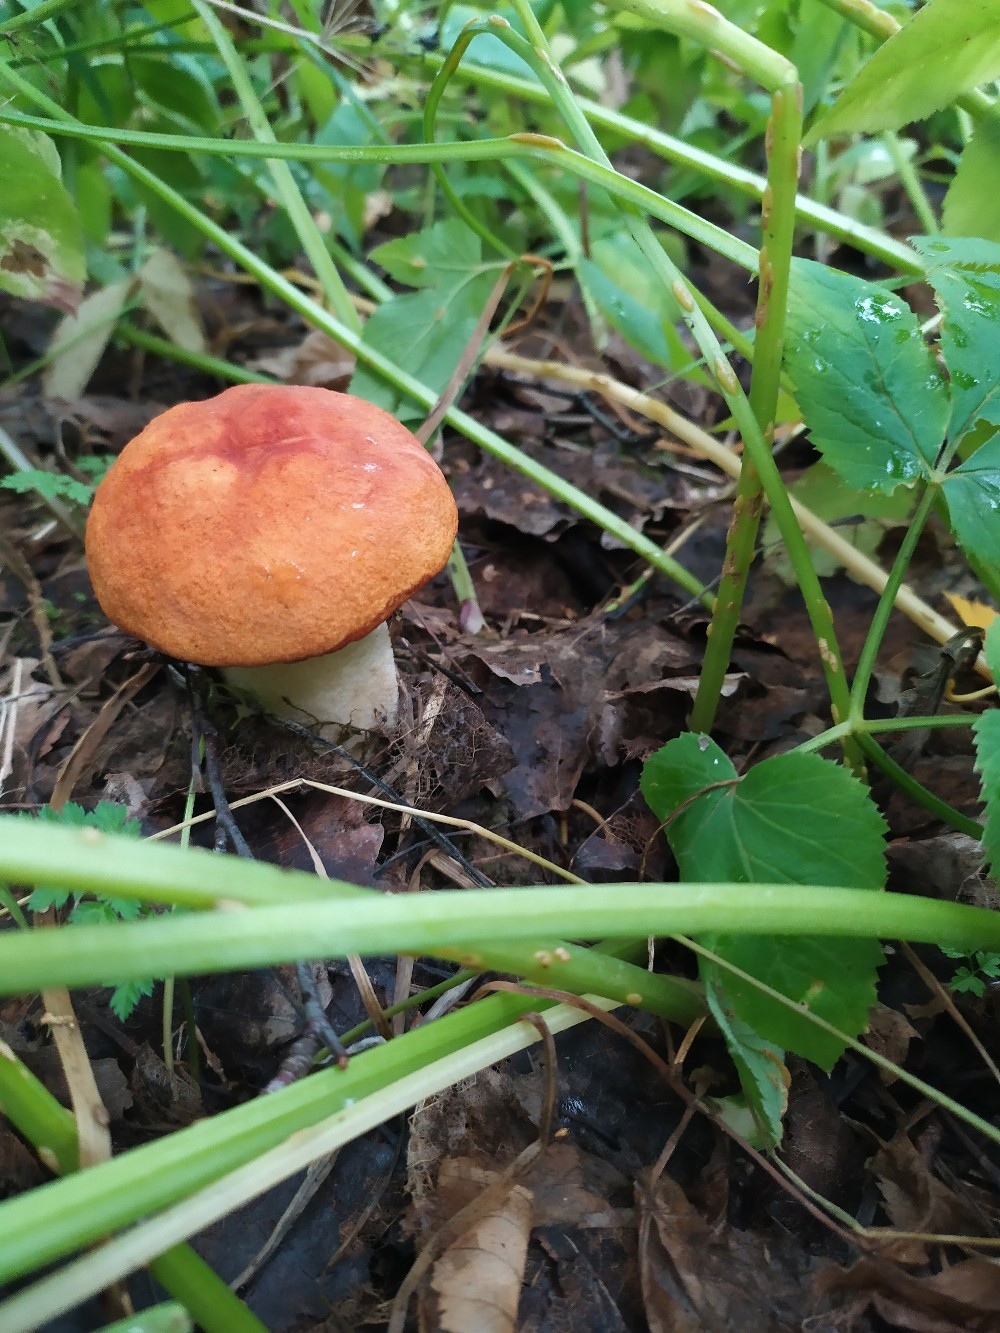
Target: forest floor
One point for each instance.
(643, 1215)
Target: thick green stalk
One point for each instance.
(35, 1113)
(468, 926)
(581, 970)
(295, 207)
(784, 134)
(880, 620)
(539, 147)
(51, 1130)
(60, 1217)
(869, 240)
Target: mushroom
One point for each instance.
(271, 531)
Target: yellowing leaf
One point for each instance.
(976, 614)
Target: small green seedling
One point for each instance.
(87, 909)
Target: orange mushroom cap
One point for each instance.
(271, 523)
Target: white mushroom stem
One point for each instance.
(355, 687)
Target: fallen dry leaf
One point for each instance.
(476, 1284)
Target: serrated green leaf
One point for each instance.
(795, 818)
(760, 1064)
(52, 485)
(427, 258)
(617, 278)
(834, 979)
(870, 390)
(424, 333)
(972, 205)
(973, 495)
(126, 995)
(41, 239)
(947, 48)
(42, 898)
(965, 275)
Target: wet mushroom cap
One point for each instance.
(269, 524)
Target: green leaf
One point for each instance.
(109, 817)
(833, 979)
(125, 996)
(795, 818)
(617, 277)
(870, 390)
(425, 333)
(972, 205)
(965, 275)
(821, 490)
(41, 239)
(986, 729)
(973, 495)
(760, 1064)
(427, 257)
(947, 48)
(178, 88)
(52, 485)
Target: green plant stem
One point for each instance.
(536, 147)
(916, 791)
(580, 969)
(869, 240)
(778, 226)
(51, 1130)
(314, 313)
(333, 919)
(880, 619)
(479, 925)
(49, 1127)
(64, 1215)
(35, 15)
(210, 365)
(295, 207)
(878, 726)
(910, 180)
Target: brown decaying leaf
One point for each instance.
(704, 1278)
(476, 1284)
(889, 1034)
(916, 1200)
(964, 1298)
